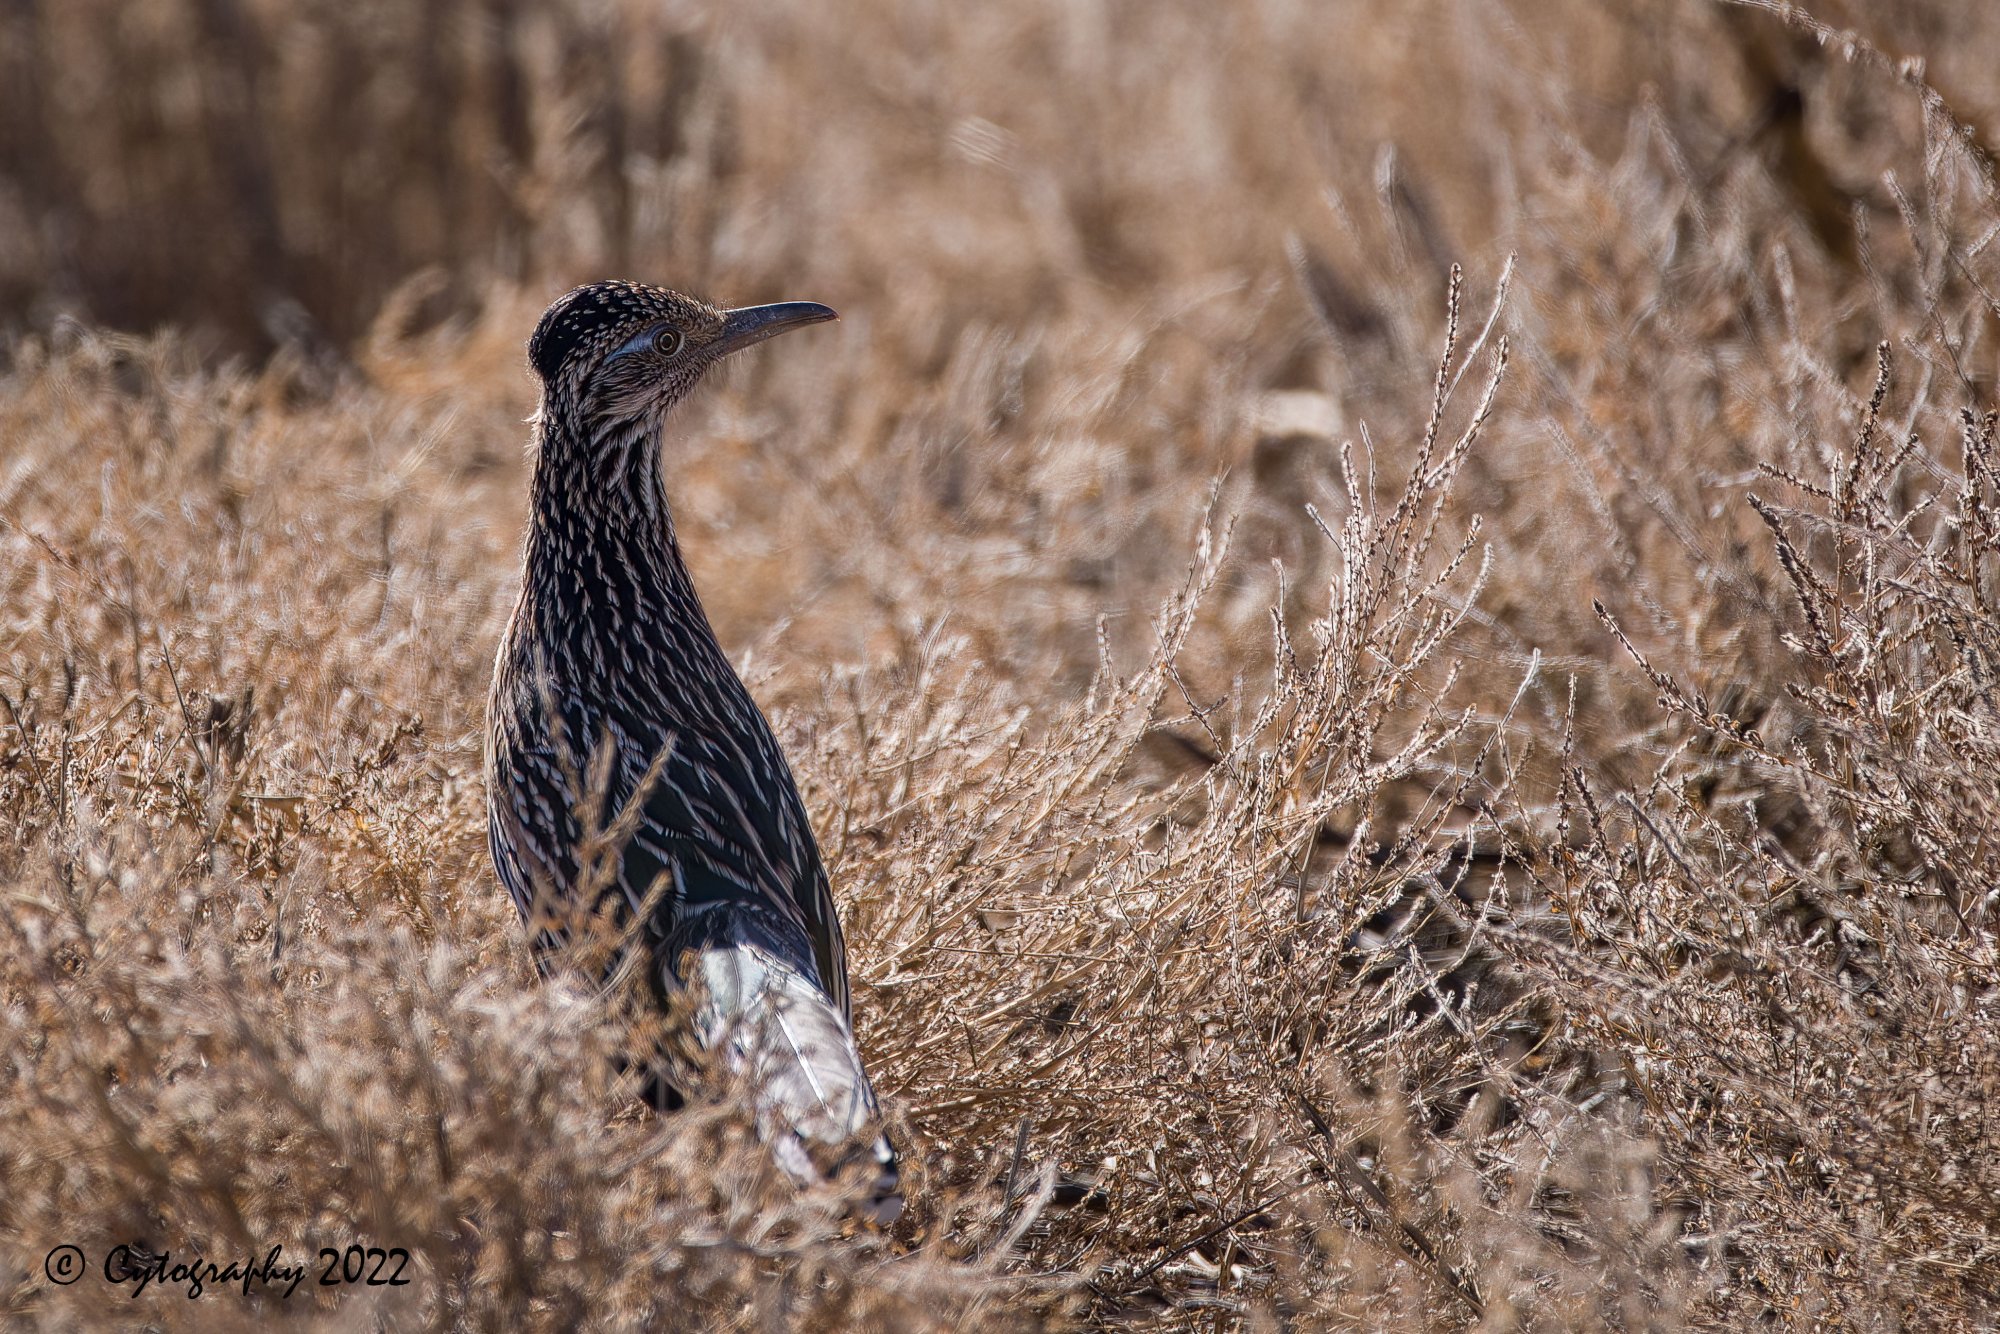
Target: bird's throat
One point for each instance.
(602, 559)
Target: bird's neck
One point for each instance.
(602, 558)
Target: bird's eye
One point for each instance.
(667, 340)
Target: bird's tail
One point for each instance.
(777, 1029)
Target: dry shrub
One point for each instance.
(1806, 907)
(1334, 832)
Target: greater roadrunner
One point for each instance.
(613, 704)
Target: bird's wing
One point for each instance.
(532, 832)
(722, 824)
(709, 813)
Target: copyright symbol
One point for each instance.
(64, 1265)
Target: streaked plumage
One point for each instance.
(610, 677)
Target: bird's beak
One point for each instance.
(753, 324)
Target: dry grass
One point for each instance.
(1357, 803)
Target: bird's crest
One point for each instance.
(597, 312)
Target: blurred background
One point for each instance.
(1091, 256)
(264, 172)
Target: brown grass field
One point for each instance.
(1362, 797)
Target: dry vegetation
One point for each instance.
(1348, 815)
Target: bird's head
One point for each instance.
(625, 352)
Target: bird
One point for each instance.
(613, 705)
